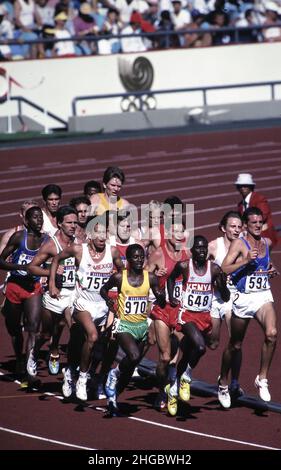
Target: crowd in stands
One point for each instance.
(79, 27)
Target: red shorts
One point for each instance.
(16, 294)
(169, 315)
(202, 320)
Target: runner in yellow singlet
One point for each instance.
(113, 179)
(133, 286)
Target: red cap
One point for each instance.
(136, 18)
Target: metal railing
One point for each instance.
(235, 35)
(151, 93)
(45, 112)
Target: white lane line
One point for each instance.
(161, 137)
(160, 163)
(182, 154)
(45, 439)
(208, 436)
(157, 181)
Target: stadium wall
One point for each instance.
(54, 83)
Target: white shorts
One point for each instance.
(219, 308)
(59, 305)
(247, 305)
(97, 310)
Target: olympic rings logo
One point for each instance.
(138, 103)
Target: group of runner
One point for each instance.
(121, 288)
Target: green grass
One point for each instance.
(39, 135)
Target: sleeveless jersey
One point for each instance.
(121, 247)
(198, 291)
(48, 226)
(220, 255)
(254, 276)
(104, 204)
(169, 264)
(92, 275)
(23, 255)
(69, 269)
(133, 301)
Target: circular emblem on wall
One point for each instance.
(136, 74)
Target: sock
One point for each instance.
(116, 371)
(172, 373)
(187, 375)
(234, 383)
(174, 389)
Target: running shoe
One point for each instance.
(262, 386)
(31, 365)
(172, 403)
(184, 390)
(67, 386)
(54, 364)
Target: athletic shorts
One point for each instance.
(168, 315)
(219, 308)
(59, 305)
(16, 294)
(202, 320)
(247, 305)
(97, 310)
(138, 330)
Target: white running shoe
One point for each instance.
(81, 388)
(262, 386)
(224, 396)
(31, 365)
(67, 386)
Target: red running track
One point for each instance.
(201, 170)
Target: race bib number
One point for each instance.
(257, 282)
(69, 272)
(68, 277)
(115, 325)
(135, 305)
(95, 281)
(177, 293)
(178, 290)
(198, 302)
(23, 260)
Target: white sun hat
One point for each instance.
(245, 179)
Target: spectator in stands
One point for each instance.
(249, 35)
(45, 12)
(181, 18)
(133, 43)
(28, 24)
(272, 12)
(152, 14)
(112, 25)
(219, 19)
(199, 39)
(246, 185)
(85, 25)
(67, 7)
(127, 7)
(62, 48)
(203, 6)
(6, 32)
(166, 24)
